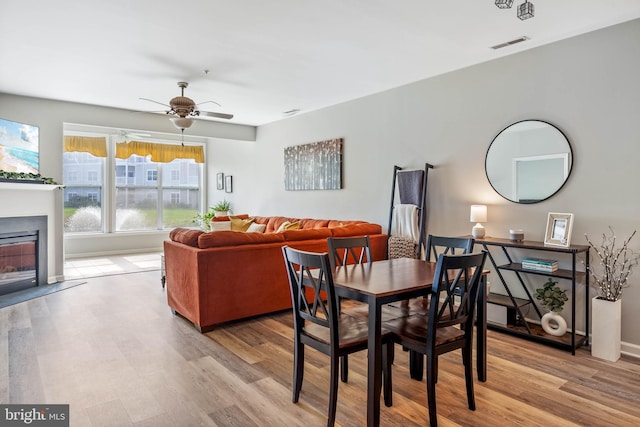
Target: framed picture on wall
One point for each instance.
(220, 181)
(228, 184)
(559, 226)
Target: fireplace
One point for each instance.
(23, 253)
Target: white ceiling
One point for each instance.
(265, 56)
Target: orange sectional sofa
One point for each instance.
(220, 276)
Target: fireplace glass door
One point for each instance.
(18, 261)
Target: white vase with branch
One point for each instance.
(610, 273)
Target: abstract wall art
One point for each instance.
(315, 166)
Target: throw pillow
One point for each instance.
(220, 225)
(288, 225)
(241, 224)
(256, 228)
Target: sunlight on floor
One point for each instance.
(77, 268)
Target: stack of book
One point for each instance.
(539, 264)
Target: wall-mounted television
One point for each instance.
(19, 144)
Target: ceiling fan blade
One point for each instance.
(206, 102)
(218, 115)
(151, 100)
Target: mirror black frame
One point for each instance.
(571, 160)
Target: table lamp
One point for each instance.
(478, 215)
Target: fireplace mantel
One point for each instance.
(22, 186)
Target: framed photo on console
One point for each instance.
(559, 226)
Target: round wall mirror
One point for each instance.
(529, 161)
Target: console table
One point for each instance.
(517, 324)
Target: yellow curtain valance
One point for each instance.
(93, 145)
(162, 153)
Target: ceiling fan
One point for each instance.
(184, 109)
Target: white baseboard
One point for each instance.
(629, 349)
(113, 253)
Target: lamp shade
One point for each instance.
(181, 122)
(478, 213)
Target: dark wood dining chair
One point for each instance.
(343, 251)
(436, 245)
(349, 250)
(448, 326)
(317, 320)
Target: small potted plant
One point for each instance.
(553, 299)
(221, 208)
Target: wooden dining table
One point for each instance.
(381, 282)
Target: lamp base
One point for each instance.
(477, 231)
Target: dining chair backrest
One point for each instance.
(349, 250)
(454, 292)
(437, 245)
(312, 295)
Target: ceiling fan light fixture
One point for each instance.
(504, 4)
(525, 10)
(181, 122)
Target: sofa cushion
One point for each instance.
(310, 223)
(341, 223)
(238, 224)
(185, 235)
(228, 218)
(294, 235)
(220, 225)
(256, 228)
(359, 229)
(276, 221)
(236, 238)
(288, 225)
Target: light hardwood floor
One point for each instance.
(112, 350)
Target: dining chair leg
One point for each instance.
(298, 370)
(333, 391)
(344, 368)
(416, 365)
(432, 367)
(387, 360)
(468, 374)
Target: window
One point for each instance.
(83, 198)
(143, 194)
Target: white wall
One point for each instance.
(588, 86)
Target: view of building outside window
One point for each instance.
(83, 180)
(148, 195)
(180, 193)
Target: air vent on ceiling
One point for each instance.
(510, 42)
(292, 112)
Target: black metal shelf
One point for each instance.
(539, 335)
(560, 273)
(521, 327)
